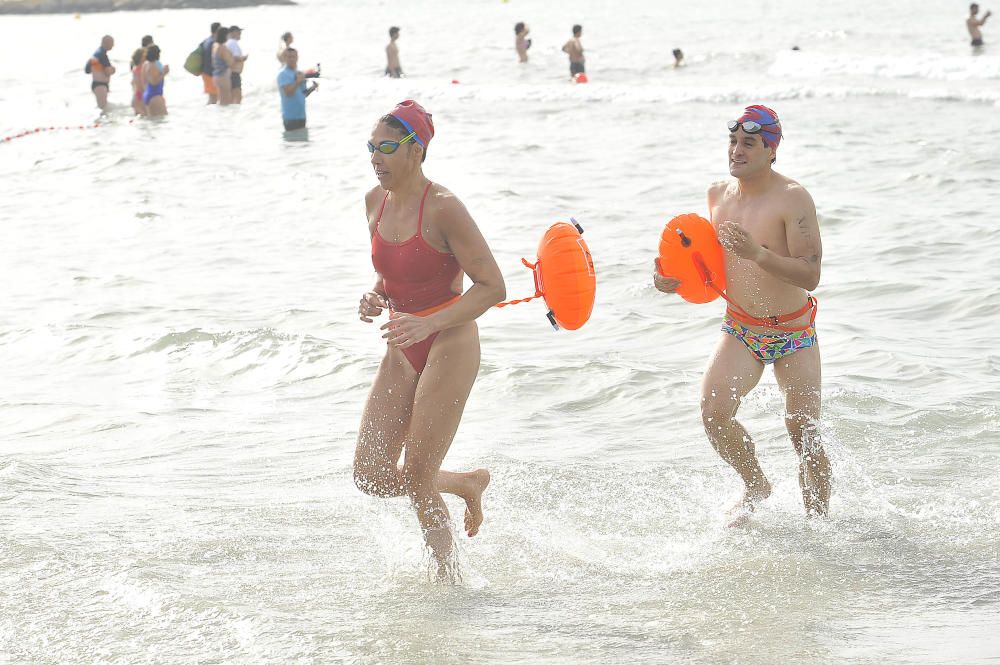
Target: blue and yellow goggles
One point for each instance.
(389, 147)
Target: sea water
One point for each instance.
(183, 369)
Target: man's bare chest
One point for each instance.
(763, 222)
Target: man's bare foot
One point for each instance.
(739, 515)
(478, 481)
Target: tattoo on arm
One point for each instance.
(807, 236)
(804, 229)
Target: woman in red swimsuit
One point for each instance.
(423, 242)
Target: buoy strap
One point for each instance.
(518, 301)
(775, 322)
(538, 292)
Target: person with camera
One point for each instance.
(292, 86)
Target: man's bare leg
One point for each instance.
(732, 373)
(101, 93)
(800, 377)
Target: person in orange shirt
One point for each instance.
(100, 69)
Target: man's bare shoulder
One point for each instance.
(794, 200)
(794, 192)
(718, 189)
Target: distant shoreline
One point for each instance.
(89, 6)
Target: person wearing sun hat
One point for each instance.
(767, 224)
(423, 243)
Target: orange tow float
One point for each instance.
(564, 276)
(690, 252)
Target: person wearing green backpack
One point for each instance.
(199, 63)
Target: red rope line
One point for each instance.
(39, 130)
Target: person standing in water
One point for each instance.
(392, 67)
(236, 75)
(208, 82)
(521, 41)
(286, 42)
(138, 82)
(101, 70)
(973, 23)
(574, 48)
(292, 86)
(154, 72)
(767, 224)
(423, 242)
(222, 63)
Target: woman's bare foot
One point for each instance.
(739, 514)
(478, 480)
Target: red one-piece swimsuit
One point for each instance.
(417, 278)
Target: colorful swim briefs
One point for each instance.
(771, 346)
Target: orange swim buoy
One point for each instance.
(564, 275)
(691, 253)
(580, 77)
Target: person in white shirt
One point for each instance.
(236, 72)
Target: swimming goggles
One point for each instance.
(389, 147)
(749, 126)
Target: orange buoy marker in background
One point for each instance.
(564, 275)
(690, 252)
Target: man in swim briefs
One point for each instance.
(973, 23)
(392, 67)
(767, 224)
(100, 69)
(574, 48)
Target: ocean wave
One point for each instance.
(656, 92)
(928, 66)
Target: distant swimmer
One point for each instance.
(392, 67)
(973, 24)
(424, 242)
(574, 48)
(678, 57)
(521, 41)
(101, 70)
(286, 41)
(154, 72)
(767, 224)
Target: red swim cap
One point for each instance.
(415, 119)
